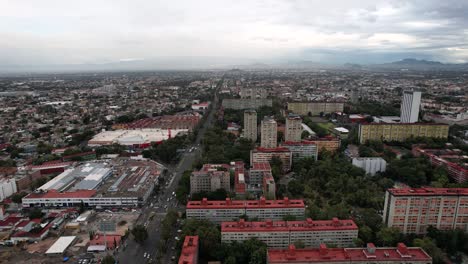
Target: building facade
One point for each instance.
(269, 187)
(371, 165)
(250, 125)
(231, 210)
(401, 132)
(210, 179)
(302, 149)
(368, 255)
(264, 155)
(7, 188)
(315, 108)
(414, 210)
(269, 133)
(409, 112)
(258, 172)
(293, 131)
(281, 234)
(331, 144)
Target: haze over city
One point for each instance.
(204, 34)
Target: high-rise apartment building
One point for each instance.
(410, 107)
(414, 210)
(269, 133)
(370, 254)
(293, 129)
(281, 234)
(250, 125)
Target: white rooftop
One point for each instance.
(61, 245)
(133, 136)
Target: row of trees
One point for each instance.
(167, 150)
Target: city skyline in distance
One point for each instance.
(143, 35)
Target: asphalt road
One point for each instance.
(133, 252)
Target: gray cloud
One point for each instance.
(86, 31)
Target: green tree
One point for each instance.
(36, 213)
(389, 236)
(17, 197)
(431, 248)
(140, 234)
(295, 188)
(108, 260)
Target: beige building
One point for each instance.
(328, 143)
(293, 129)
(414, 210)
(269, 133)
(401, 131)
(264, 155)
(250, 125)
(209, 180)
(315, 108)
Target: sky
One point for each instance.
(60, 32)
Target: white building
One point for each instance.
(269, 133)
(410, 106)
(7, 188)
(371, 165)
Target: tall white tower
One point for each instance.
(269, 130)
(410, 104)
(250, 125)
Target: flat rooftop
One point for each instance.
(347, 255)
(308, 225)
(248, 204)
(134, 136)
(429, 191)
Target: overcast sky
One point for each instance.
(37, 32)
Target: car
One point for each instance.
(179, 231)
(145, 254)
(177, 238)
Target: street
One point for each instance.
(134, 253)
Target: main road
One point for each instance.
(158, 205)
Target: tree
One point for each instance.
(431, 248)
(289, 217)
(17, 197)
(36, 213)
(299, 244)
(295, 188)
(389, 236)
(140, 234)
(108, 260)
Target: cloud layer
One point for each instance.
(89, 31)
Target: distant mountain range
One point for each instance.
(411, 63)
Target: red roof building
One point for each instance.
(280, 234)
(388, 255)
(113, 241)
(189, 253)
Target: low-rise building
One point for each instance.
(189, 253)
(302, 149)
(315, 108)
(371, 254)
(281, 234)
(210, 178)
(231, 210)
(371, 165)
(7, 188)
(265, 155)
(328, 143)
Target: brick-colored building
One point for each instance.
(414, 210)
(328, 143)
(189, 253)
(264, 155)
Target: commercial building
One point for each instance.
(7, 188)
(328, 143)
(414, 210)
(165, 122)
(209, 178)
(241, 104)
(230, 210)
(189, 253)
(264, 155)
(315, 108)
(122, 182)
(371, 165)
(293, 131)
(401, 132)
(250, 125)
(135, 137)
(269, 133)
(281, 234)
(370, 254)
(410, 107)
(451, 159)
(302, 149)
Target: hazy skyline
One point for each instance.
(50, 32)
